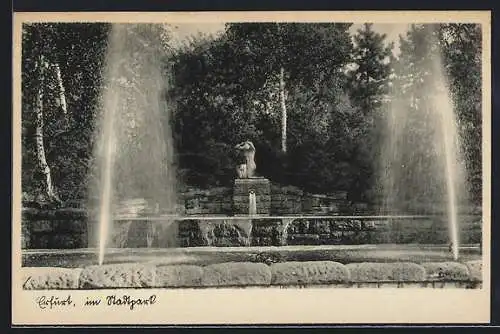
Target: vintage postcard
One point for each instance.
(251, 168)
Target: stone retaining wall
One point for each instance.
(241, 274)
(278, 200)
(58, 233)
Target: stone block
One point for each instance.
(445, 271)
(236, 274)
(66, 241)
(267, 232)
(73, 226)
(346, 225)
(178, 276)
(231, 233)
(50, 278)
(361, 237)
(244, 198)
(475, 270)
(219, 232)
(260, 186)
(298, 226)
(303, 239)
(321, 226)
(117, 276)
(262, 189)
(313, 272)
(366, 285)
(380, 237)
(191, 235)
(25, 235)
(416, 285)
(371, 225)
(47, 226)
(451, 285)
(374, 272)
(40, 241)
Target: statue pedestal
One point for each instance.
(241, 190)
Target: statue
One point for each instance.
(246, 169)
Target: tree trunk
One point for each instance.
(283, 109)
(61, 91)
(40, 149)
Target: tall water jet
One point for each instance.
(449, 135)
(134, 156)
(421, 165)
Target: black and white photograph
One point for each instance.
(204, 154)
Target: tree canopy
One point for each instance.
(221, 90)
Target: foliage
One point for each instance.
(68, 143)
(462, 52)
(368, 83)
(459, 48)
(223, 90)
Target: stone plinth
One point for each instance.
(242, 188)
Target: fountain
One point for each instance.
(257, 232)
(421, 154)
(134, 149)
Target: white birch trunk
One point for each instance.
(40, 149)
(61, 91)
(283, 109)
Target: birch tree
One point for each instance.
(42, 68)
(60, 81)
(298, 54)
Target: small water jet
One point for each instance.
(134, 157)
(421, 159)
(252, 203)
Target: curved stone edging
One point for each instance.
(475, 270)
(117, 276)
(311, 272)
(40, 278)
(374, 272)
(446, 271)
(178, 276)
(236, 274)
(229, 274)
